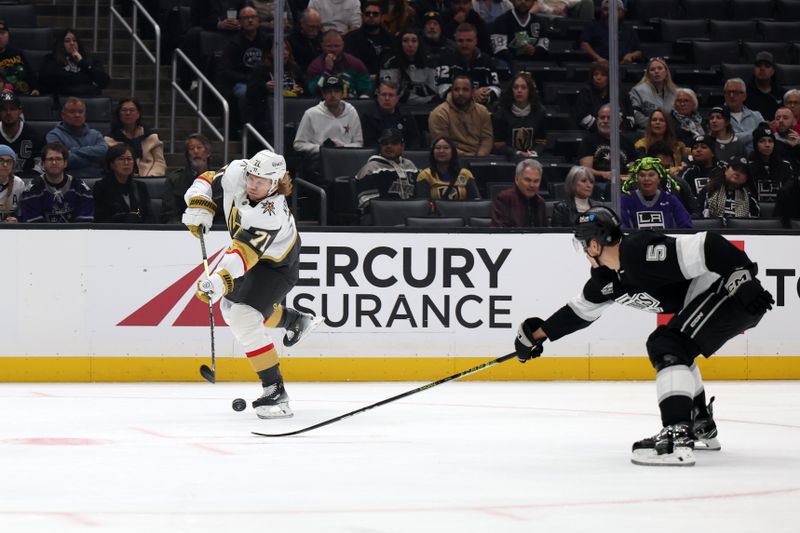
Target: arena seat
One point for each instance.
(33, 39)
(753, 223)
(787, 75)
(155, 187)
(395, 212)
(704, 224)
(675, 29)
(696, 9)
(752, 9)
(734, 30)
(342, 161)
(421, 158)
(38, 107)
(655, 9)
(98, 110)
(480, 222)
(787, 10)
(463, 208)
(18, 16)
(736, 70)
(777, 31)
(781, 52)
(435, 222)
(713, 53)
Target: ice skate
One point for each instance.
(273, 403)
(672, 446)
(300, 327)
(705, 431)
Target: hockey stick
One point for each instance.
(393, 398)
(209, 374)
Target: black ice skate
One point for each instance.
(273, 403)
(672, 446)
(705, 430)
(300, 327)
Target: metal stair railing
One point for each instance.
(248, 130)
(132, 29)
(197, 105)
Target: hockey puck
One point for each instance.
(239, 404)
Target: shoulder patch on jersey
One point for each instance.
(608, 290)
(268, 207)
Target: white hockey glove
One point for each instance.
(199, 214)
(215, 287)
(524, 344)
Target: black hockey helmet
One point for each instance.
(599, 223)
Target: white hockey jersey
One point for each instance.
(263, 231)
(9, 199)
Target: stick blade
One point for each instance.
(208, 374)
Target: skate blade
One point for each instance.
(302, 335)
(708, 445)
(682, 456)
(269, 412)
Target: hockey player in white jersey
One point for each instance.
(708, 283)
(259, 268)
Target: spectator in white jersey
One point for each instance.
(11, 186)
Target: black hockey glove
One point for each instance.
(524, 344)
(742, 285)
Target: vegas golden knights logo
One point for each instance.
(522, 138)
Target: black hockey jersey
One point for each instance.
(510, 34)
(482, 70)
(658, 274)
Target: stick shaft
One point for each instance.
(467, 372)
(210, 305)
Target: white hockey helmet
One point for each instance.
(267, 164)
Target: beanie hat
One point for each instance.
(7, 152)
(761, 131)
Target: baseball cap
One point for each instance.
(391, 134)
(764, 57)
(3, 25)
(432, 15)
(332, 82)
(702, 139)
(10, 98)
(724, 111)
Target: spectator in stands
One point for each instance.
(594, 39)
(791, 99)
(767, 171)
(126, 127)
(86, 145)
(578, 188)
(304, 39)
(340, 15)
(462, 119)
(787, 139)
(655, 90)
(371, 43)
(687, 120)
(334, 61)
(702, 164)
(577, 9)
(763, 93)
(659, 129)
(333, 122)
(469, 61)
(412, 70)
(197, 152)
(521, 206)
(398, 16)
(787, 206)
(489, 10)
(461, 12)
(217, 16)
(647, 202)
(266, 13)
(69, 71)
(11, 186)
(518, 118)
(261, 87)
(56, 196)
(680, 188)
(743, 119)
(433, 38)
(386, 114)
(594, 151)
(594, 95)
(518, 35)
(445, 179)
(726, 144)
(17, 70)
(726, 194)
(118, 197)
(241, 55)
(18, 136)
(387, 175)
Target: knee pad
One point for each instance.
(668, 347)
(246, 324)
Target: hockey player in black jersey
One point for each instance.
(708, 283)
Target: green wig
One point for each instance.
(668, 183)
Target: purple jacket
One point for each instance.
(664, 211)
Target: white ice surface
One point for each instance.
(462, 457)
